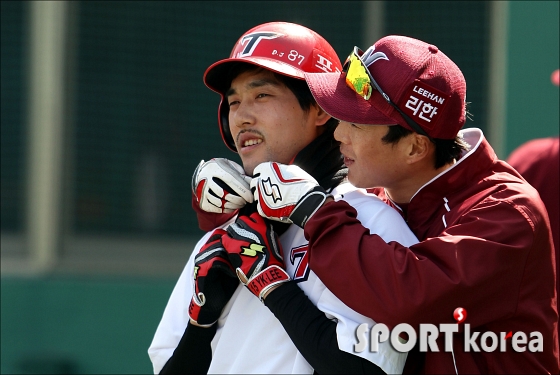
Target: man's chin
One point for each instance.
(249, 167)
(354, 180)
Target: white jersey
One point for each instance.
(249, 338)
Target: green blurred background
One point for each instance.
(104, 117)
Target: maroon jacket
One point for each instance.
(486, 246)
(538, 162)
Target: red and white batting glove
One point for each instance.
(221, 186)
(255, 253)
(286, 193)
(214, 281)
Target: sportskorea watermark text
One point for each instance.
(428, 334)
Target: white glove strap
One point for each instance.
(262, 282)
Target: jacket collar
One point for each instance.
(467, 169)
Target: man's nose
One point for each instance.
(243, 116)
(340, 133)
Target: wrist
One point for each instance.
(194, 323)
(270, 290)
(308, 205)
(270, 278)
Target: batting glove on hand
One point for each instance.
(221, 186)
(214, 281)
(255, 253)
(286, 193)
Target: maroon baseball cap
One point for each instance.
(420, 79)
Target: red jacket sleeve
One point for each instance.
(478, 263)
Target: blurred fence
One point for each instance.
(105, 189)
(136, 115)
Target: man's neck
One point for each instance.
(403, 193)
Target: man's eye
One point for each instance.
(233, 102)
(262, 95)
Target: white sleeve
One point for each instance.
(348, 320)
(381, 219)
(176, 315)
(376, 215)
(385, 221)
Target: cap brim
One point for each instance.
(215, 74)
(341, 102)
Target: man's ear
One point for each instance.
(322, 116)
(419, 148)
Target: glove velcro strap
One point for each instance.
(194, 313)
(308, 205)
(266, 279)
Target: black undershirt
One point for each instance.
(313, 334)
(193, 354)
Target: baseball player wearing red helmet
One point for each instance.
(224, 314)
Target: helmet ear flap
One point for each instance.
(223, 121)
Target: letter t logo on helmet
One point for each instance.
(253, 40)
(286, 48)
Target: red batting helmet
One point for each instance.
(281, 47)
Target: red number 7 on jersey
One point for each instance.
(299, 254)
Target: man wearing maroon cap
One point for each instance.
(485, 239)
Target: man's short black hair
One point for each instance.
(447, 150)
